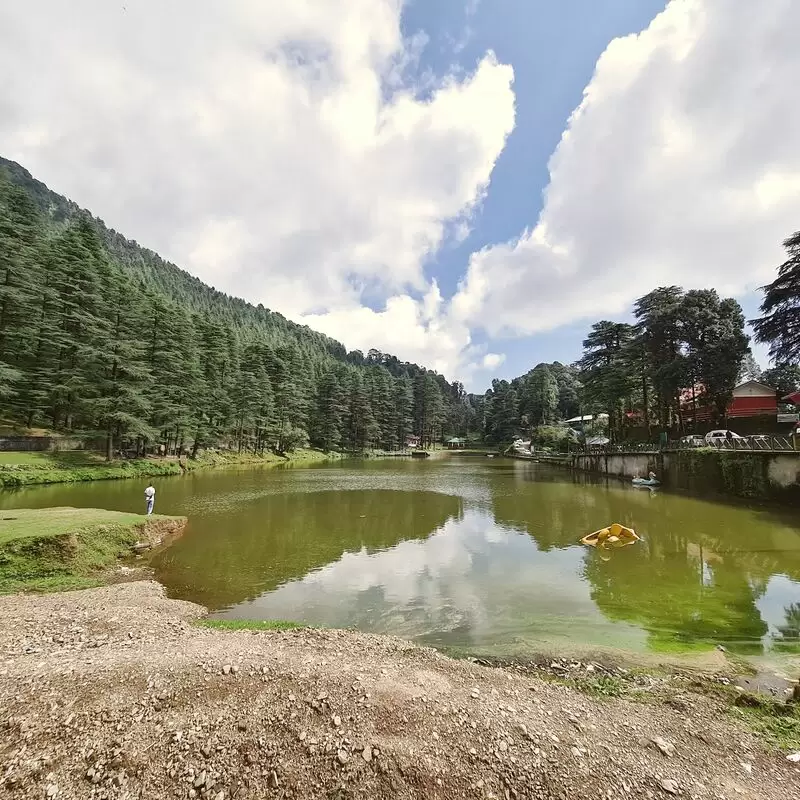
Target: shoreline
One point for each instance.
(63, 548)
(53, 468)
(118, 692)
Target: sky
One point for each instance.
(468, 184)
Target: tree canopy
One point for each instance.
(102, 337)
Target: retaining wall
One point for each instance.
(768, 476)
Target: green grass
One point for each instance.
(777, 723)
(50, 460)
(54, 549)
(25, 469)
(250, 624)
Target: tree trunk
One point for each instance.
(109, 445)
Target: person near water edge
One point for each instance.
(150, 497)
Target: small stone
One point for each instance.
(666, 748)
(192, 793)
(90, 773)
(367, 754)
(748, 768)
(669, 785)
(273, 781)
(502, 746)
(226, 670)
(220, 795)
(475, 693)
(342, 757)
(722, 649)
(795, 757)
(337, 721)
(200, 780)
(52, 790)
(241, 725)
(234, 669)
(302, 736)
(473, 751)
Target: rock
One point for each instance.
(666, 748)
(241, 725)
(226, 670)
(273, 781)
(52, 790)
(502, 746)
(475, 693)
(795, 757)
(200, 780)
(337, 721)
(302, 736)
(220, 795)
(342, 757)
(669, 785)
(367, 754)
(748, 768)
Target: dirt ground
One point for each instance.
(113, 693)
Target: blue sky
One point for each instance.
(554, 47)
(467, 184)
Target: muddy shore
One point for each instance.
(114, 693)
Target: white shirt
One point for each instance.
(149, 492)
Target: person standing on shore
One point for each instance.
(150, 498)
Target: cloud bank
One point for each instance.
(283, 152)
(290, 153)
(680, 166)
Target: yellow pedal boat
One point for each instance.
(615, 535)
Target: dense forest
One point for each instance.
(102, 337)
(99, 336)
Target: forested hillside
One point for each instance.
(101, 336)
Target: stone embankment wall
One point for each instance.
(767, 476)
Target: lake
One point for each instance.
(470, 553)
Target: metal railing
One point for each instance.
(762, 443)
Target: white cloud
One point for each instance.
(680, 166)
(279, 151)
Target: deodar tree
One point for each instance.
(779, 327)
(102, 338)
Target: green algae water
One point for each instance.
(471, 553)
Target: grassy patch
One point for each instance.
(53, 549)
(250, 624)
(778, 723)
(25, 469)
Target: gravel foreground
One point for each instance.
(113, 693)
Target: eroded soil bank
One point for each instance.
(114, 693)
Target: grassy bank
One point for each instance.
(54, 549)
(27, 469)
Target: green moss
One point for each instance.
(65, 548)
(250, 624)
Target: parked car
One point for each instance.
(716, 437)
(693, 440)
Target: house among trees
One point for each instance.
(456, 443)
(412, 440)
(749, 399)
(752, 399)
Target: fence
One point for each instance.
(762, 443)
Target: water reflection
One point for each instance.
(474, 552)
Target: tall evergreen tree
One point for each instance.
(780, 324)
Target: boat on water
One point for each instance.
(614, 535)
(650, 480)
(420, 454)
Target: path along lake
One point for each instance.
(471, 553)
